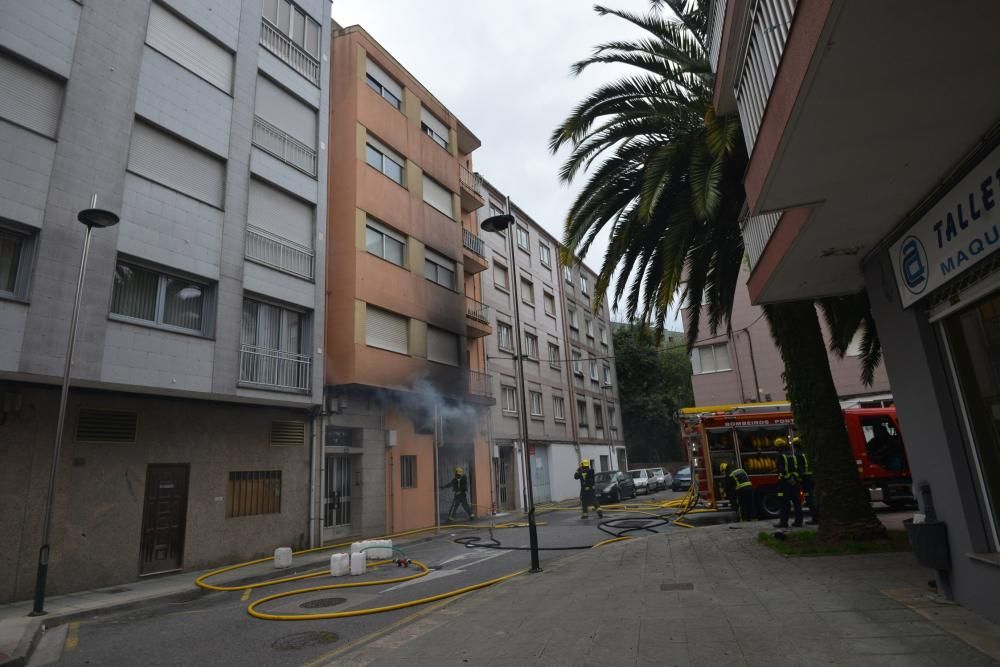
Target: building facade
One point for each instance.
(900, 205)
(199, 347)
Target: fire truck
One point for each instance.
(745, 435)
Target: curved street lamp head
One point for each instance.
(97, 217)
(497, 223)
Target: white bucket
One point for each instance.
(340, 564)
(357, 547)
(358, 563)
(282, 557)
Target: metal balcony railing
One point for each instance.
(280, 45)
(477, 310)
(756, 233)
(480, 384)
(716, 21)
(470, 180)
(769, 25)
(474, 243)
(279, 253)
(281, 145)
(275, 368)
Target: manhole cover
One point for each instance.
(112, 591)
(303, 640)
(321, 603)
(676, 587)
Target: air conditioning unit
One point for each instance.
(390, 438)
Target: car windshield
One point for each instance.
(684, 472)
(604, 477)
(656, 471)
(636, 474)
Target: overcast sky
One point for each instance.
(503, 69)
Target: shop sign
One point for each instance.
(961, 230)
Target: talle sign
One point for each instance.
(961, 230)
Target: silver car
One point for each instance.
(663, 478)
(641, 478)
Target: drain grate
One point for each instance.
(322, 603)
(304, 640)
(677, 587)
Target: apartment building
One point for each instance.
(556, 439)
(198, 356)
(406, 394)
(901, 205)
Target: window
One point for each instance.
(161, 299)
(554, 360)
(383, 84)
(573, 324)
(549, 303)
(545, 255)
(381, 157)
(274, 346)
(558, 408)
(505, 337)
(612, 425)
(16, 255)
(568, 274)
(710, 359)
(583, 284)
(593, 370)
(531, 346)
(288, 115)
(604, 335)
(589, 325)
(433, 128)
(189, 48)
(577, 363)
(509, 398)
(439, 269)
(386, 330)
(408, 471)
(175, 164)
(500, 277)
(581, 409)
(28, 97)
(607, 375)
(442, 346)
(294, 24)
(385, 243)
(496, 209)
(527, 291)
(522, 238)
(536, 403)
(598, 417)
(438, 196)
(253, 492)
(283, 217)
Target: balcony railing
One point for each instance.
(474, 243)
(280, 45)
(477, 310)
(279, 253)
(716, 21)
(289, 150)
(275, 368)
(756, 233)
(480, 384)
(769, 24)
(470, 180)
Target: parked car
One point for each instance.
(682, 479)
(613, 486)
(641, 479)
(663, 478)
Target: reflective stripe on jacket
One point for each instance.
(741, 478)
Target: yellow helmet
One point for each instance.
(780, 443)
(458, 470)
(795, 441)
(723, 467)
(585, 463)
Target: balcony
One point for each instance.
(757, 232)
(290, 53)
(289, 150)
(279, 253)
(477, 319)
(481, 385)
(474, 252)
(471, 190)
(275, 369)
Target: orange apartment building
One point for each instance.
(406, 398)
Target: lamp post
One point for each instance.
(90, 218)
(498, 223)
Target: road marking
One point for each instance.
(246, 595)
(440, 574)
(72, 637)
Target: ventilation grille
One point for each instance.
(106, 426)
(288, 433)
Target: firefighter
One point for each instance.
(789, 485)
(460, 487)
(742, 497)
(587, 495)
(808, 485)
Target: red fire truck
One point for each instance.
(744, 435)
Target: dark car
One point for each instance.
(682, 479)
(613, 486)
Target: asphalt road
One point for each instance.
(215, 629)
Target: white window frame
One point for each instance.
(505, 337)
(593, 370)
(589, 325)
(386, 233)
(385, 153)
(508, 392)
(577, 363)
(294, 14)
(559, 408)
(375, 82)
(568, 274)
(582, 416)
(697, 365)
(584, 284)
(432, 126)
(207, 300)
(501, 269)
(535, 397)
(598, 416)
(523, 237)
(603, 331)
(573, 323)
(530, 346)
(285, 311)
(607, 375)
(554, 360)
(545, 254)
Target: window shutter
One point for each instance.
(437, 196)
(440, 260)
(432, 122)
(161, 158)
(380, 75)
(442, 346)
(288, 433)
(110, 426)
(29, 98)
(387, 330)
(189, 48)
(276, 212)
(285, 112)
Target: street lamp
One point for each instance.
(90, 218)
(499, 223)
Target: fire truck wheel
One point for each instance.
(768, 505)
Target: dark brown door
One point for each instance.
(163, 518)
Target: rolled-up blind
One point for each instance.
(387, 330)
(175, 164)
(285, 112)
(383, 78)
(189, 48)
(437, 196)
(432, 122)
(28, 97)
(442, 346)
(280, 214)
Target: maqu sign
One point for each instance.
(961, 230)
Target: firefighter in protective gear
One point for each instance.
(808, 485)
(740, 492)
(789, 485)
(460, 487)
(588, 497)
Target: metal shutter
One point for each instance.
(288, 433)
(285, 112)
(380, 75)
(95, 425)
(387, 330)
(28, 97)
(442, 346)
(189, 48)
(161, 158)
(437, 196)
(280, 214)
(432, 122)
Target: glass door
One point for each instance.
(337, 496)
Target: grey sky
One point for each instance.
(503, 69)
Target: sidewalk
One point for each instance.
(705, 596)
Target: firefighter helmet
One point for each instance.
(795, 441)
(585, 463)
(458, 470)
(723, 467)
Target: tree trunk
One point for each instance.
(845, 508)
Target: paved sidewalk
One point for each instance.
(705, 596)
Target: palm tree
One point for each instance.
(666, 181)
